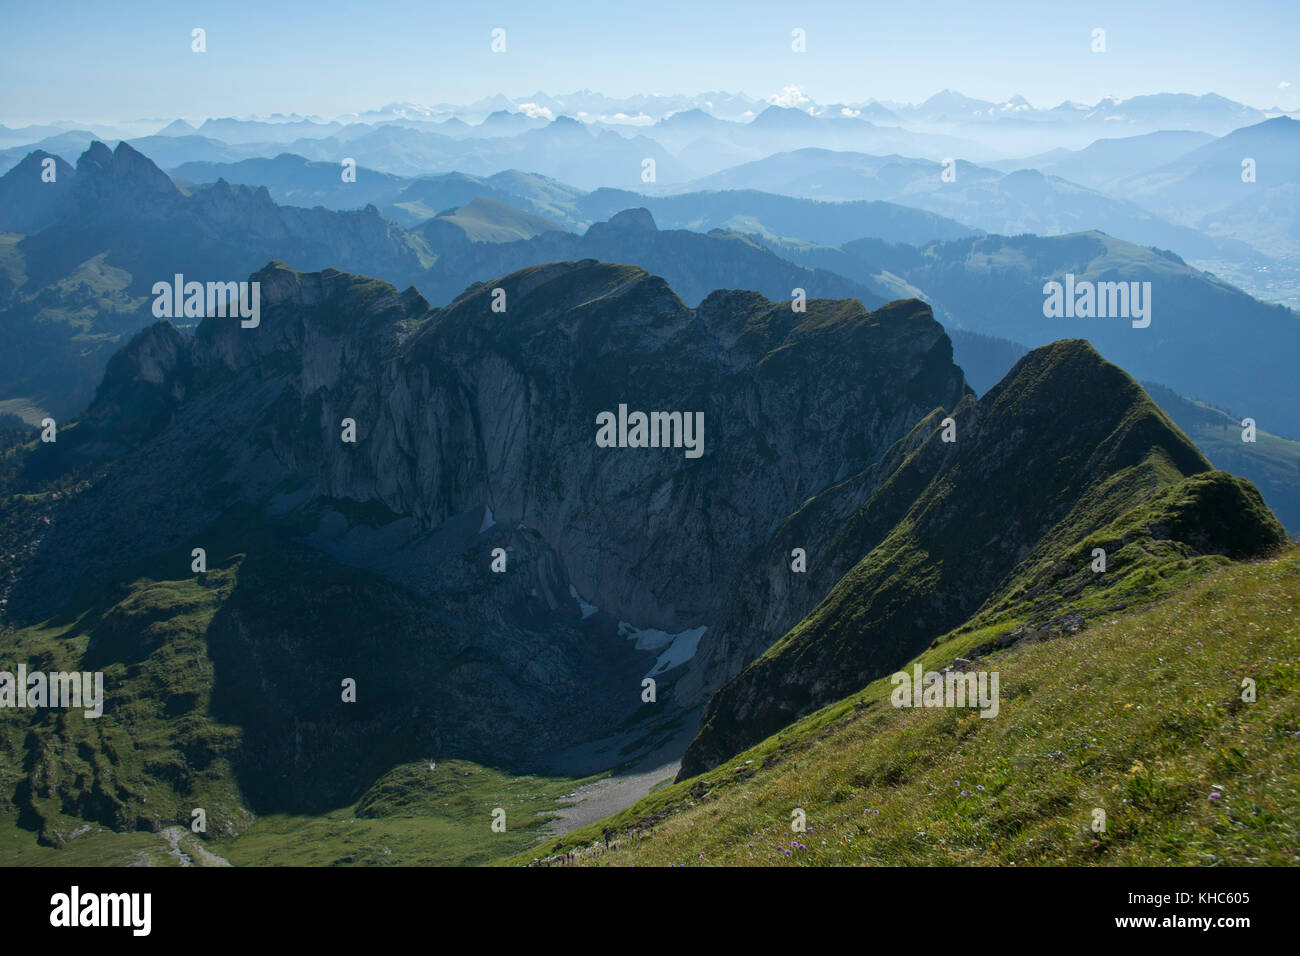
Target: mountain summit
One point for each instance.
(1066, 452)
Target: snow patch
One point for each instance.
(587, 609)
(647, 638)
(681, 650)
(677, 648)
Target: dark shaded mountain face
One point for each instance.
(81, 279)
(124, 206)
(463, 407)
(28, 199)
(475, 430)
(1064, 453)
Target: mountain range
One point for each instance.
(849, 434)
(101, 235)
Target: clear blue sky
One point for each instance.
(127, 60)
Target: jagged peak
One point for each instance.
(1039, 368)
(97, 154)
(1069, 382)
(125, 164)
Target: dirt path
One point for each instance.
(610, 795)
(630, 780)
(174, 835)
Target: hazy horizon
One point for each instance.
(324, 59)
(793, 97)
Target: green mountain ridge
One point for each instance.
(483, 219)
(960, 522)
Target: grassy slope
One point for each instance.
(488, 220)
(1139, 715)
(77, 791)
(413, 816)
(1271, 462)
(66, 777)
(88, 311)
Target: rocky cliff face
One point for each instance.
(475, 429)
